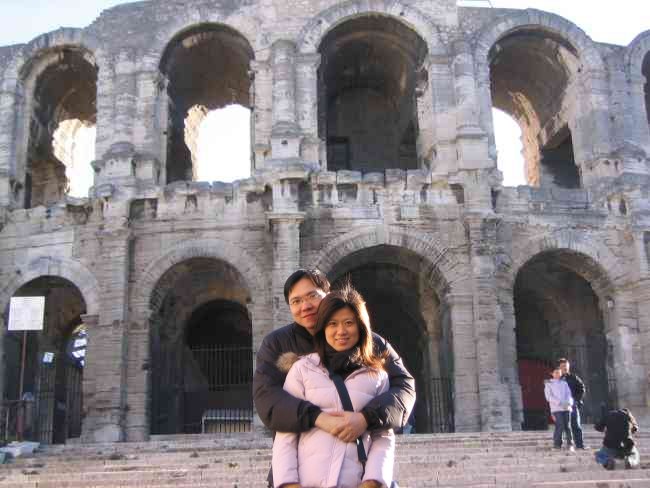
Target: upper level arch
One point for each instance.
(534, 63)
(637, 67)
(206, 67)
(313, 33)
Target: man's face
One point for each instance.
(304, 299)
(566, 367)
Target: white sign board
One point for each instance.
(26, 313)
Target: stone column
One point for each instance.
(116, 116)
(443, 132)
(91, 368)
(636, 117)
(262, 110)
(285, 229)
(105, 415)
(285, 140)
(307, 104)
(494, 395)
(467, 408)
(8, 141)
(471, 140)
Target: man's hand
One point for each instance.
(347, 426)
(371, 484)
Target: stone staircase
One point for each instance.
(481, 460)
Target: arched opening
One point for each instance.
(207, 68)
(369, 80)
(507, 136)
(646, 74)
(55, 359)
(201, 350)
(531, 72)
(225, 131)
(62, 123)
(406, 310)
(558, 315)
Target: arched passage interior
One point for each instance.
(61, 140)
(201, 350)
(369, 79)
(207, 68)
(531, 72)
(558, 314)
(405, 308)
(54, 363)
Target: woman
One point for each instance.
(343, 344)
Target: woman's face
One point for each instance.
(342, 330)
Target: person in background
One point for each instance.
(618, 425)
(578, 390)
(560, 401)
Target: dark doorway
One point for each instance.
(558, 315)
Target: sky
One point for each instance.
(604, 21)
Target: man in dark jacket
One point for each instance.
(619, 425)
(281, 412)
(577, 387)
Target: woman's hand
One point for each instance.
(371, 484)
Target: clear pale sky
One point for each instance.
(604, 21)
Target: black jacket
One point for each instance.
(282, 412)
(577, 387)
(619, 425)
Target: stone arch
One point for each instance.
(73, 271)
(602, 261)
(635, 54)
(567, 64)
(63, 47)
(445, 272)
(246, 26)
(317, 28)
(532, 18)
(218, 249)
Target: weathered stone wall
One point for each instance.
(449, 222)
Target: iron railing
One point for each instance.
(15, 417)
(442, 408)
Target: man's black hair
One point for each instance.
(317, 278)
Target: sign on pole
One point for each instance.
(26, 313)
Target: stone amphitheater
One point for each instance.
(372, 158)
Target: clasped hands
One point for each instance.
(347, 426)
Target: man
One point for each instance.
(577, 387)
(281, 412)
(619, 425)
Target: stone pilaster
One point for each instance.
(262, 87)
(117, 100)
(105, 414)
(443, 132)
(471, 140)
(285, 137)
(494, 395)
(285, 228)
(307, 104)
(467, 406)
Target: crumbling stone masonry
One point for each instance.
(372, 157)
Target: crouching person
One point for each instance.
(618, 425)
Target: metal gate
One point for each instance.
(220, 400)
(442, 410)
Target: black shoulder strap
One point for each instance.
(347, 406)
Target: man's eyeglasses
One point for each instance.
(311, 297)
